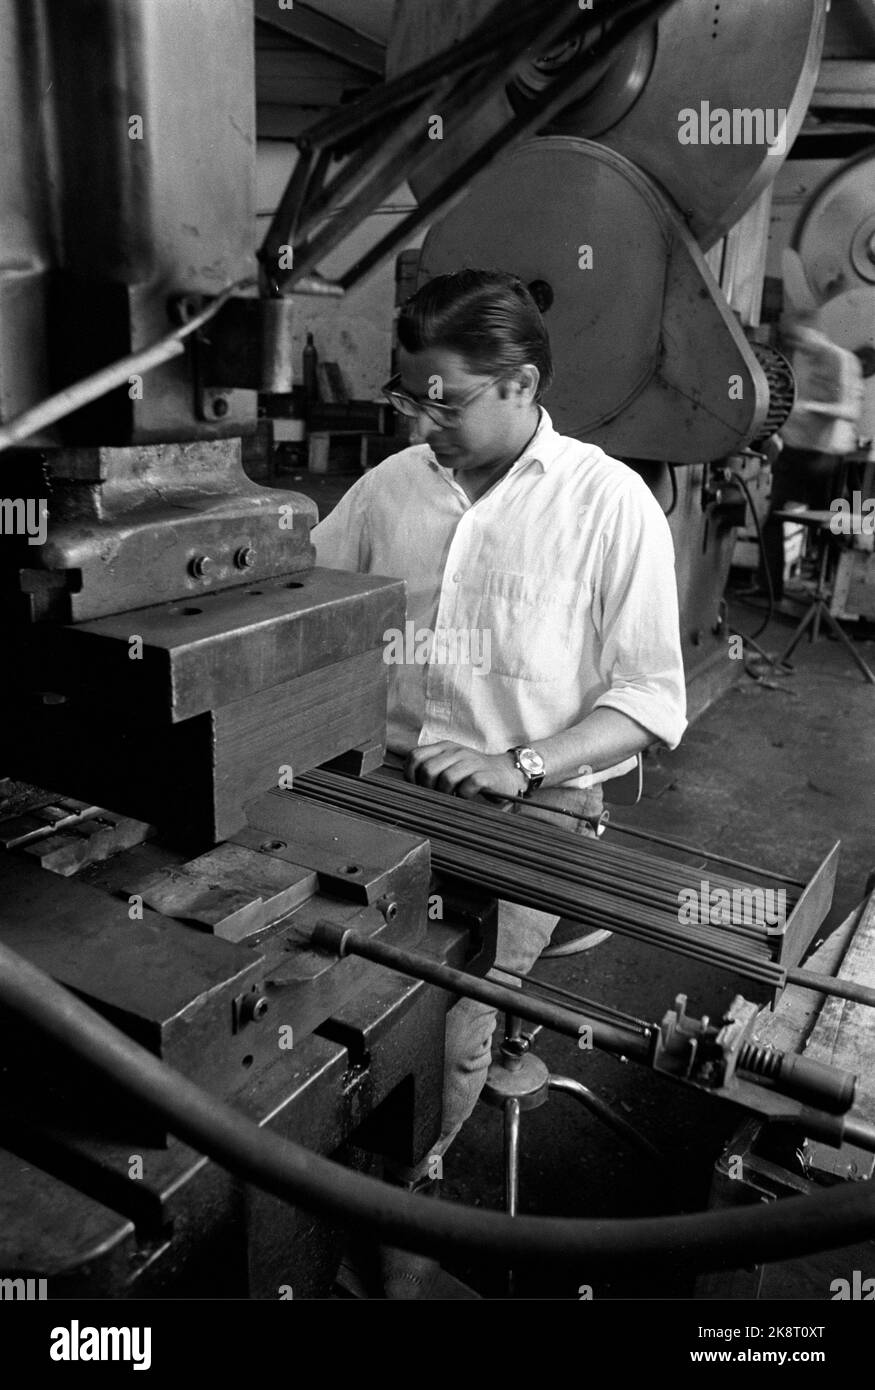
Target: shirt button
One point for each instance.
(457, 578)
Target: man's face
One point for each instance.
(489, 427)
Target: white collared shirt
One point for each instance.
(563, 571)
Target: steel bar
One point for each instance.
(537, 893)
(462, 833)
(620, 1042)
(830, 984)
(608, 852)
(592, 1007)
(451, 811)
(550, 893)
(511, 1154)
(554, 892)
(705, 853)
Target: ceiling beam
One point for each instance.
(306, 25)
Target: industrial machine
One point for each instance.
(174, 656)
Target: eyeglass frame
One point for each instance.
(449, 414)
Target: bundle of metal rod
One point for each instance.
(530, 861)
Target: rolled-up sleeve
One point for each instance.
(637, 617)
(342, 539)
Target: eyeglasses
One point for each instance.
(447, 415)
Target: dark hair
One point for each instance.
(487, 316)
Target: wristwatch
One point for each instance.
(531, 765)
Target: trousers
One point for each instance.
(523, 933)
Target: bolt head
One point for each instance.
(200, 566)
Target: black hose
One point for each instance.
(770, 610)
(716, 1240)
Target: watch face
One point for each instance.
(531, 762)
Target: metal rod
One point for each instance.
(618, 1041)
(511, 1170)
(566, 847)
(511, 1155)
(606, 852)
(705, 854)
(860, 1132)
(601, 910)
(596, 1106)
(832, 985)
(588, 1006)
(575, 895)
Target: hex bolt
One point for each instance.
(254, 1008)
(244, 559)
(199, 566)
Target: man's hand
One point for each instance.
(450, 767)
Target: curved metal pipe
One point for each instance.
(608, 1117)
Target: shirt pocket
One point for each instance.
(533, 625)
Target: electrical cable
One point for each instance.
(91, 388)
(704, 1241)
(770, 610)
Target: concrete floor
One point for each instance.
(770, 776)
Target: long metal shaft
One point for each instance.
(620, 1041)
(476, 827)
(466, 840)
(583, 881)
(440, 810)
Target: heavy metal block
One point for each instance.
(171, 988)
(150, 524)
(194, 778)
(232, 891)
(355, 859)
(220, 647)
(296, 726)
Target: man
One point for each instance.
(554, 559)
